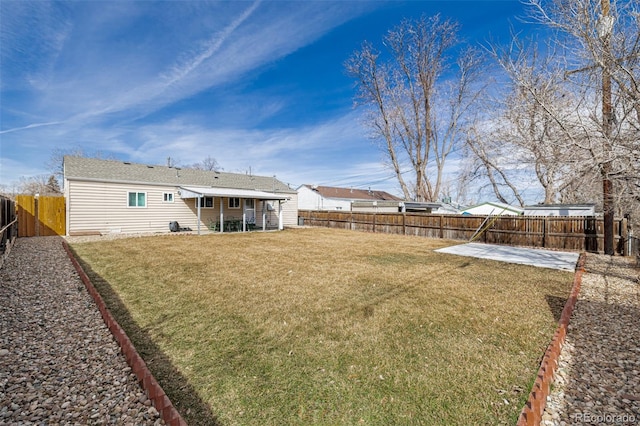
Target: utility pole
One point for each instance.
(605, 28)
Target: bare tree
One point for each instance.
(41, 185)
(487, 157)
(527, 128)
(55, 164)
(209, 163)
(416, 102)
(603, 45)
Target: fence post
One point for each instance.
(404, 223)
(624, 235)
(441, 227)
(486, 231)
(374, 223)
(544, 232)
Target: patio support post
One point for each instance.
(280, 221)
(244, 222)
(198, 201)
(221, 215)
(264, 215)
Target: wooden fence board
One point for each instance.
(41, 216)
(26, 215)
(51, 214)
(8, 226)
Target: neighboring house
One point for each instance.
(560, 210)
(314, 197)
(432, 208)
(376, 206)
(493, 209)
(107, 196)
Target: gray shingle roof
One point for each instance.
(92, 169)
(352, 194)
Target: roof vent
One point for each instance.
(149, 166)
(127, 162)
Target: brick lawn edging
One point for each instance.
(154, 391)
(533, 409)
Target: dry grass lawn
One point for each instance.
(329, 327)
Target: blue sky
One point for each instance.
(258, 86)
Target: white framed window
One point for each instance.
(206, 202)
(167, 197)
(137, 199)
(234, 203)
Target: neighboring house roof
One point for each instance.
(585, 209)
(92, 169)
(495, 208)
(561, 206)
(352, 194)
(430, 206)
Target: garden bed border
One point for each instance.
(533, 410)
(149, 384)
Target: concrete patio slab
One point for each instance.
(542, 258)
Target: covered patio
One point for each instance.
(244, 200)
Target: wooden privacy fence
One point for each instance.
(8, 226)
(564, 233)
(41, 216)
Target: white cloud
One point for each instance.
(210, 48)
(30, 126)
(96, 76)
(334, 152)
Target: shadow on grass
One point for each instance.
(181, 393)
(556, 305)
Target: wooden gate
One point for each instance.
(41, 216)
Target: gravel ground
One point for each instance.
(598, 378)
(59, 364)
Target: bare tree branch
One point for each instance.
(407, 99)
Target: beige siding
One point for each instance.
(290, 211)
(102, 207)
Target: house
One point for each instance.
(493, 209)
(375, 206)
(560, 210)
(107, 196)
(314, 197)
(403, 206)
(437, 207)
